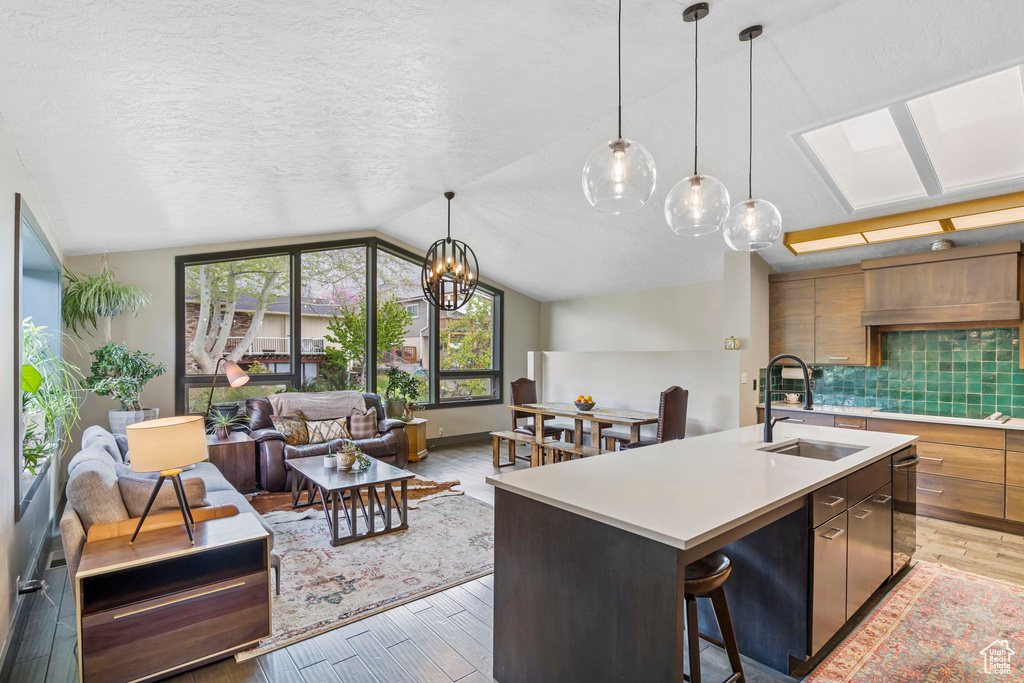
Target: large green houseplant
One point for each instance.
(122, 374)
(402, 390)
(51, 393)
(88, 299)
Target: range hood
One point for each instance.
(980, 284)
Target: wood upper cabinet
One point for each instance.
(816, 314)
(839, 337)
(791, 318)
(966, 284)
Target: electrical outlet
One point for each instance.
(440, 432)
(743, 378)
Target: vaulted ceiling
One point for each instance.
(163, 124)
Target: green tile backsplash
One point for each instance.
(953, 373)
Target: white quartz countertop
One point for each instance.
(683, 493)
(861, 411)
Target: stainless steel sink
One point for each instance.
(818, 450)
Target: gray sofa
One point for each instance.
(102, 488)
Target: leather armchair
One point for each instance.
(391, 446)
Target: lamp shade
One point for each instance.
(236, 375)
(168, 443)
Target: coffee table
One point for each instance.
(340, 493)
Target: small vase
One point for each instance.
(330, 461)
(346, 460)
(223, 433)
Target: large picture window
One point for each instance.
(345, 302)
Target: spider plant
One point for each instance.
(51, 388)
(87, 298)
(222, 424)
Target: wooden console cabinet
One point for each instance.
(161, 606)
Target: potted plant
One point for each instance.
(51, 390)
(221, 424)
(402, 389)
(122, 374)
(88, 298)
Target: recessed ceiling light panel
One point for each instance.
(989, 218)
(828, 243)
(974, 132)
(903, 232)
(867, 160)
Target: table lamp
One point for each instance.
(165, 446)
(236, 377)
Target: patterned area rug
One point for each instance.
(938, 624)
(450, 540)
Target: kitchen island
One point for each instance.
(589, 554)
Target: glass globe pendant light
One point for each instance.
(619, 175)
(753, 224)
(450, 271)
(698, 204)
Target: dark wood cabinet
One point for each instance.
(839, 337)
(816, 314)
(791, 318)
(235, 457)
(966, 284)
(163, 606)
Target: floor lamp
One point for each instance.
(165, 446)
(236, 377)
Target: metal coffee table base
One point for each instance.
(343, 509)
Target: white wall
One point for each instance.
(663, 319)
(153, 331)
(18, 542)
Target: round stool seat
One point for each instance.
(707, 573)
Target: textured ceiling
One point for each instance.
(172, 123)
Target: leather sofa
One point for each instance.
(391, 446)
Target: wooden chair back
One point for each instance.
(672, 414)
(522, 391)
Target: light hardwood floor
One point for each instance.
(447, 636)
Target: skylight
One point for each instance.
(867, 159)
(974, 132)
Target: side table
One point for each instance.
(416, 430)
(235, 457)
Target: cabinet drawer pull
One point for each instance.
(793, 419)
(919, 488)
(865, 515)
(847, 424)
(181, 599)
(835, 533)
(836, 500)
(839, 358)
(925, 457)
(882, 499)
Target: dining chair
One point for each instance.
(671, 418)
(523, 391)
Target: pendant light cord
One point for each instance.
(449, 219)
(695, 76)
(620, 68)
(750, 133)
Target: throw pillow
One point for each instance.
(293, 427)
(93, 492)
(137, 487)
(321, 431)
(363, 425)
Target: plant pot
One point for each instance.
(395, 408)
(222, 433)
(120, 419)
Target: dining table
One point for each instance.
(599, 418)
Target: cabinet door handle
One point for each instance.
(846, 424)
(865, 515)
(836, 500)
(925, 457)
(793, 419)
(839, 358)
(882, 499)
(919, 488)
(833, 533)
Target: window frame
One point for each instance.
(183, 382)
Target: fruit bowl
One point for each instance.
(585, 406)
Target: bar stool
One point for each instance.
(706, 578)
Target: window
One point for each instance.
(467, 351)
(339, 300)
